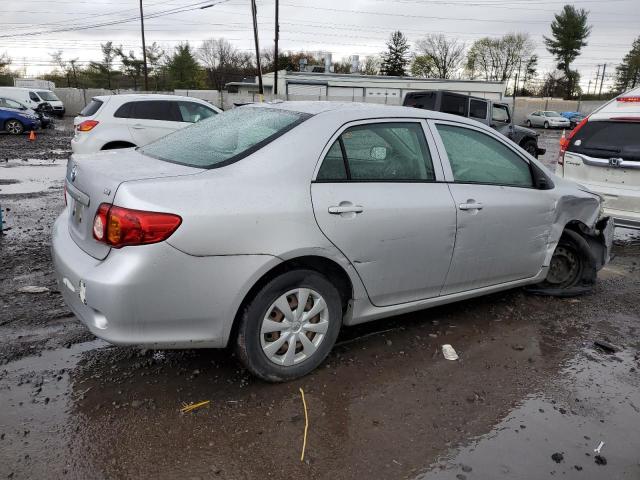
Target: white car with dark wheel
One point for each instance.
(547, 119)
(124, 121)
(272, 226)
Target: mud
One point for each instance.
(529, 384)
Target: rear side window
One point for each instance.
(192, 112)
(224, 138)
(606, 139)
(124, 111)
(476, 157)
(454, 104)
(478, 109)
(164, 110)
(92, 108)
(425, 100)
(379, 152)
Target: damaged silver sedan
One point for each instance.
(270, 226)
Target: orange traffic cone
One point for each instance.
(32, 136)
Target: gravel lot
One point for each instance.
(531, 396)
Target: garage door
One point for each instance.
(304, 90)
(346, 92)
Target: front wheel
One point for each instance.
(14, 127)
(529, 123)
(290, 326)
(546, 124)
(531, 147)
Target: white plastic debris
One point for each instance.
(33, 289)
(449, 353)
(599, 447)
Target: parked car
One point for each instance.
(270, 226)
(15, 118)
(32, 97)
(574, 118)
(547, 119)
(125, 121)
(495, 115)
(603, 153)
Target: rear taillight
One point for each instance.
(121, 227)
(628, 99)
(87, 125)
(565, 141)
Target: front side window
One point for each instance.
(476, 157)
(48, 96)
(34, 97)
(8, 103)
(500, 113)
(379, 152)
(192, 112)
(224, 138)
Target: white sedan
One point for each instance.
(547, 119)
(123, 121)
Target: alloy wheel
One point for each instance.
(14, 127)
(294, 326)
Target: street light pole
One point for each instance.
(144, 50)
(275, 60)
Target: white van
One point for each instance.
(603, 154)
(32, 97)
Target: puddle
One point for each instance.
(31, 176)
(593, 400)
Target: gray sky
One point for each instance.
(341, 27)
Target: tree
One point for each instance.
(105, 67)
(422, 66)
(59, 62)
(569, 32)
(131, 65)
(370, 65)
(224, 63)
(396, 58)
(530, 72)
(628, 72)
(497, 59)
(438, 57)
(343, 66)
(155, 55)
(183, 68)
(5, 74)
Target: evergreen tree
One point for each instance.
(569, 32)
(183, 68)
(396, 58)
(628, 72)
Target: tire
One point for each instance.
(14, 127)
(572, 270)
(529, 123)
(531, 147)
(546, 124)
(266, 354)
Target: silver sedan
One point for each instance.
(547, 119)
(271, 226)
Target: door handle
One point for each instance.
(470, 205)
(137, 126)
(337, 210)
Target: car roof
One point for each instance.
(616, 108)
(350, 111)
(127, 97)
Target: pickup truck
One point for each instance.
(496, 115)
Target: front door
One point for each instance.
(504, 222)
(381, 200)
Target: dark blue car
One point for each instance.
(15, 118)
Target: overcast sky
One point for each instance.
(341, 27)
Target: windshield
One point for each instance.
(224, 138)
(552, 114)
(48, 96)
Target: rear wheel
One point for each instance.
(529, 123)
(14, 127)
(290, 326)
(546, 124)
(531, 147)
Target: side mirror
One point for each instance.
(378, 153)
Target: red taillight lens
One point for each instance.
(565, 141)
(121, 227)
(87, 125)
(628, 99)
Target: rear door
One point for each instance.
(379, 197)
(153, 119)
(503, 221)
(605, 155)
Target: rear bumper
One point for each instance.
(623, 218)
(614, 198)
(153, 295)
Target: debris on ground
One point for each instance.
(190, 407)
(599, 447)
(33, 289)
(518, 347)
(600, 460)
(557, 457)
(306, 425)
(606, 346)
(449, 352)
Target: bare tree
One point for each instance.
(224, 62)
(56, 58)
(439, 57)
(496, 59)
(5, 61)
(370, 65)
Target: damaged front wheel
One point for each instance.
(572, 270)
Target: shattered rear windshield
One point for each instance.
(224, 138)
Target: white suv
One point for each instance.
(603, 154)
(123, 121)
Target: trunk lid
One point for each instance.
(94, 179)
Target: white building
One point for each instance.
(356, 87)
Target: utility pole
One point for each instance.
(589, 87)
(595, 87)
(513, 109)
(144, 50)
(254, 14)
(275, 60)
(604, 68)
